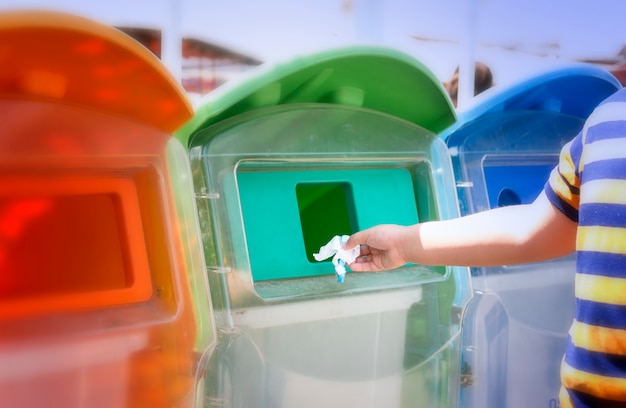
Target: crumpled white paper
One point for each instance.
(341, 257)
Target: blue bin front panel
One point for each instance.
(506, 157)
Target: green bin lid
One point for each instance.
(376, 78)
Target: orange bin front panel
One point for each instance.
(96, 306)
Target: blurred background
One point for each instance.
(221, 39)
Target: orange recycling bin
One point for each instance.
(103, 297)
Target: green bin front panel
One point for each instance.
(289, 215)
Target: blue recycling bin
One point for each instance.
(503, 149)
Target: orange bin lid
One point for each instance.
(57, 56)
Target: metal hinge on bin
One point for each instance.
(217, 269)
(208, 195)
(467, 377)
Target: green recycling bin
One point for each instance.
(283, 161)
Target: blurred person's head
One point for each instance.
(483, 80)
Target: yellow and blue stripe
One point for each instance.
(589, 186)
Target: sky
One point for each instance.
(516, 38)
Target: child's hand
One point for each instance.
(381, 248)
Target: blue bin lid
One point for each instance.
(574, 90)
(504, 146)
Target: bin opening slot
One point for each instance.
(326, 210)
(516, 179)
(70, 244)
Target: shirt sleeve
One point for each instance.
(563, 186)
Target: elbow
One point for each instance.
(548, 238)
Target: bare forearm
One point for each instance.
(504, 236)
(507, 235)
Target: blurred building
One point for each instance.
(205, 66)
(616, 64)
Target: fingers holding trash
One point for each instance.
(381, 248)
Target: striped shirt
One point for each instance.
(589, 186)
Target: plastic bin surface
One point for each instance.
(503, 150)
(282, 162)
(103, 297)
